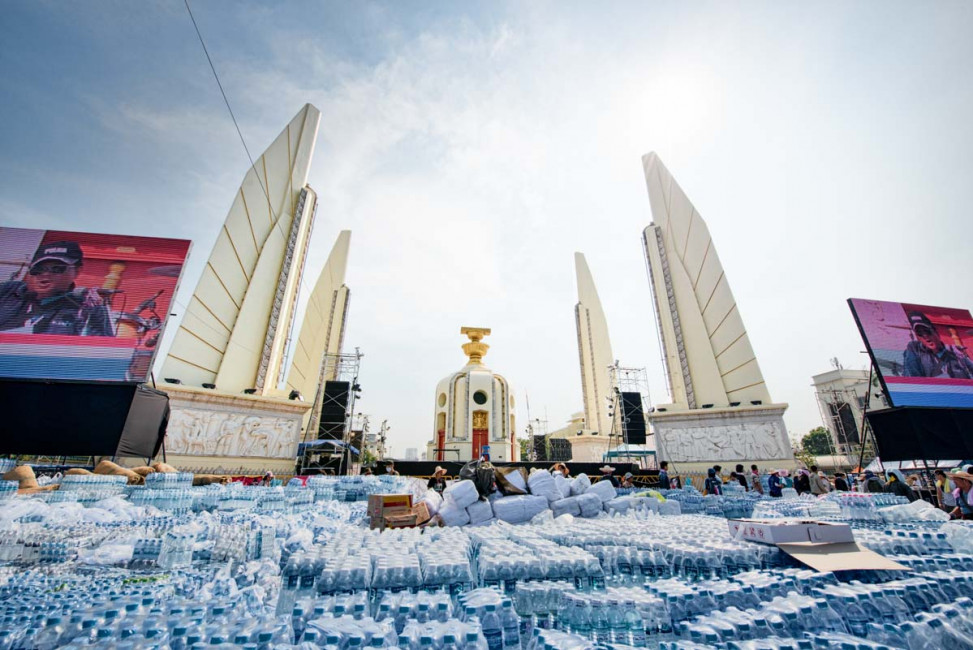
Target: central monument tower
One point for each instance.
(474, 410)
(721, 409)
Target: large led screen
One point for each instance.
(922, 353)
(83, 306)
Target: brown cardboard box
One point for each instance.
(380, 504)
(400, 521)
(421, 511)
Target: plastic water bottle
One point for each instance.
(511, 625)
(599, 622)
(492, 629)
(855, 616)
(636, 627)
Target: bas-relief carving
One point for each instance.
(199, 432)
(480, 420)
(752, 441)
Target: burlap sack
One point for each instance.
(77, 471)
(106, 467)
(143, 471)
(24, 474)
(35, 490)
(209, 479)
(164, 468)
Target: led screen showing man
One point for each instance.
(922, 353)
(84, 306)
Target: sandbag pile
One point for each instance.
(24, 475)
(108, 467)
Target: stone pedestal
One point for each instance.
(588, 448)
(227, 433)
(700, 438)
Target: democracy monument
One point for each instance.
(721, 409)
(236, 401)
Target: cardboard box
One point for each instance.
(421, 511)
(400, 521)
(789, 531)
(823, 546)
(379, 504)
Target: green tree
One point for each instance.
(817, 442)
(524, 448)
(367, 458)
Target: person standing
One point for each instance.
(741, 476)
(898, 487)
(712, 485)
(840, 483)
(871, 483)
(819, 482)
(802, 482)
(944, 491)
(664, 483)
(390, 469)
(756, 485)
(774, 483)
(963, 495)
(437, 481)
(607, 475)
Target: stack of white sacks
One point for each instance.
(461, 505)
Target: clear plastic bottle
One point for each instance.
(510, 622)
(492, 629)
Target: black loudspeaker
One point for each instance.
(634, 420)
(540, 448)
(844, 423)
(560, 450)
(334, 410)
(81, 419)
(919, 433)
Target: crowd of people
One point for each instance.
(952, 491)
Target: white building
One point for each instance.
(842, 396)
(473, 410)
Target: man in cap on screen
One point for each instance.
(47, 301)
(928, 356)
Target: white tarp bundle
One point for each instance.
(580, 484)
(542, 484)
(603, 489)
(479, 512)
(519, 509)
(462, 493)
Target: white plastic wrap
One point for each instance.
(461, 493)
(453, 515)
(433, 501)
(514, 476)
(480, 512)
(670, 507)
(567, 506)
(619, 504)
(589, 504)
(580, 484)
(563, 484)
(542, 484)
(918, 510)
(519, 509)
(603, 489)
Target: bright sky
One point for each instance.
(472, 148)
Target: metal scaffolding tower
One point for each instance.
(626, 380)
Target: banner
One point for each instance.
(921, 353)
(84, 306)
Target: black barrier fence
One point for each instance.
(81, 419)
(425, 469)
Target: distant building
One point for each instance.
(411, 453)
(842, 397)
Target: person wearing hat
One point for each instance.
(437, 481)
(47, 301)
(774, 483)
(944, 491)
(606, 472)
(712, 484)
(963, 495)
(628, 480)
(928, 356)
